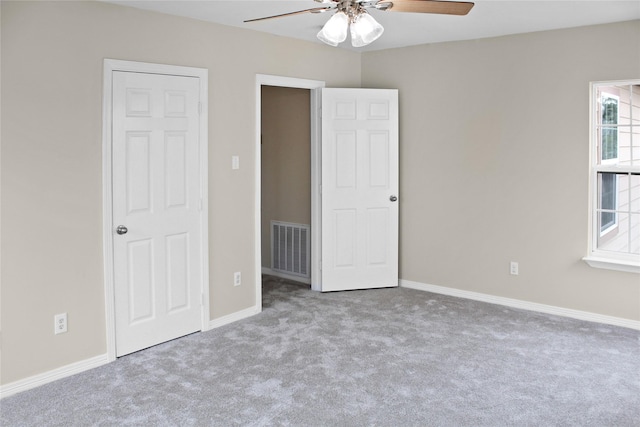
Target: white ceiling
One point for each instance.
(488, 18)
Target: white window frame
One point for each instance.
(596, 257)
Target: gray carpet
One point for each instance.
(388, 357)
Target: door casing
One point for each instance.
(110, 66)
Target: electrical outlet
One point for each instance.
(60, 323)
(235, 162)
(513, 268)
(237, 278)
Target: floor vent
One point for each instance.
(290, 248)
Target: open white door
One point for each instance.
(359, 175)
(157, 249)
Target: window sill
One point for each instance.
(628, 266)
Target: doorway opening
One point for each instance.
(287, 184)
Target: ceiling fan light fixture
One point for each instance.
(335, 30)
(364, 30)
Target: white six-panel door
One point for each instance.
(359, 176)
(157, 262)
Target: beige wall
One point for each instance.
(286, 160)
(494, 144)
(493, 157)
(52, 59)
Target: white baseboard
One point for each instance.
(525, 305)
(94, 362)
(270, 272)
(234, 317)
(53, 375)
(84, 365)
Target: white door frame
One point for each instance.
(314, 86)
(110, 66)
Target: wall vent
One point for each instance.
(290, 248)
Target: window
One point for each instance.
(609, 112)
(608, 217)
(615, 176)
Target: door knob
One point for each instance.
(122, 229)
(393, 198)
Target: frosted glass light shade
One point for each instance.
(364, 30)
(335, 30)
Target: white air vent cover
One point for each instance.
(290, 248)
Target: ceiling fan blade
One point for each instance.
(299, 12)
(427, 6)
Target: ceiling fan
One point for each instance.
(364, 29)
